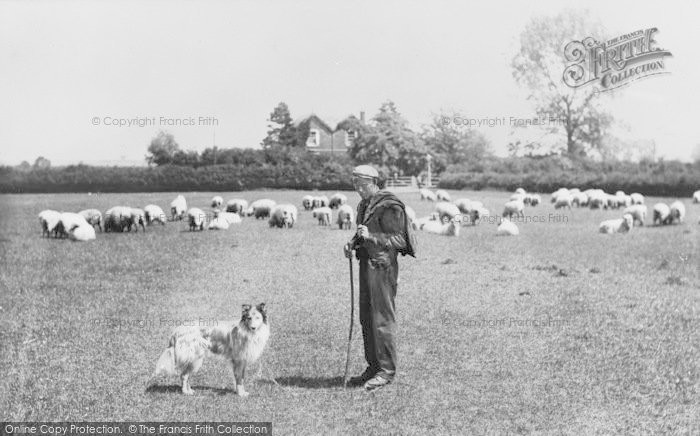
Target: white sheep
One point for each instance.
(620, 225)
(514, 207)
(48, 219)
(219, 223)
(637, 198)
(597, 200)
(324, 215)
(507, 228)
(535, 199)
(217, 201)
(580, 199)
(283, 216)
(696, 197)
(638, 212)
(337, 200)
(307, 202)
(237, 205)
(154, 213)
(463, 204)
(427, 194)
(438, 228)
(447, 211)
(661, 214)
(563, 200)
(138, 218)
(411, 215)
(520, 191)
(68, 220)
(93, 217)
(521, 197)
(178, 208)
(320, 201)
(196, 218)
(118, 218)
(261, 208)
(677, 212)
(229, 217)
(346, 216)
(559, 192)
(82, 233)
(442, 195)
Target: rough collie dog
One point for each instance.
(242, 345)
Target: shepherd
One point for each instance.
(382, 233)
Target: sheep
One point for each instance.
(535, 199)
(427, 194)
(559, 192)
(514, 207)
(154, 213)
(67, 221)
(563, 200)
(196, 217)
(661, 214)
(520, 191)
(346, 216)
(507, 228)
(93, 217)
(463, 204)
(48, 219)
(218, 223)
(696, 197)
(638, 212)
(447, 211)
(474, 210)
(261, 208)
(442, 195)
(82, 233)
(320, 201)
(597, 200)
(677, 212)
(308, 202)
(237, 205)
(138, 217)
(411, 215)
(178, 208)
(521, 197)
(446, 229)
(217, 201)
(117, 219)
(621, 225)
(283, 216)
(580, 199)
(637, 198)
(229, 217)
(324, 215)
(337, 200)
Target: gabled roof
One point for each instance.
(316, 118)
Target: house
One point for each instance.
(321, 138)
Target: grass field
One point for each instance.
(558, 330)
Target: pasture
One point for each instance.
(558, 330)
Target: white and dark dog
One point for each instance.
(242, 345)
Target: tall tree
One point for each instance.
(41, 163)
(282, 132)
(574, 113)
(162, 149)
(451, 144)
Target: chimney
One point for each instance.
(362, 117)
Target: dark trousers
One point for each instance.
(378, 316)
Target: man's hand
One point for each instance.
(347, 249)
(362, 231)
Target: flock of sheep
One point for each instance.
(446, 219)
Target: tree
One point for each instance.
(41, 163)
(390, 143)
(449, 144)
(282, 132)
(162, 149)
(539, 67)
(186, 158)
(24, 166)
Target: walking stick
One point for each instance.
(352, 320)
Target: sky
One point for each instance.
(72, 70)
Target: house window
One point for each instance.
(349, 138)
(314, 139)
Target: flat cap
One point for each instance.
(365, 171)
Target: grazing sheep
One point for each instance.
(677, 212)
(474, 210)
(178, 208)
(438, 228)
(67, 221)
(346, 216)
(337, 200)
(138, 217)
(514, 207)
(427, 194)
(48, 219)
(696, 197)
(638, 212)
(154, 213)
(237, 205)
(82, 233)
(261, 208)
(563, 200)
(197, 218)
(447, 211)
(521, 197)
(661, 214)
(93, 217)
(217, 201)
(463, 204)
(507, 228)
(597, 200)
(229, 217)
(283, 216)
(637, 198)
(559, 192)
(442, 195)
(320, 201)
(579, 199)
(324, 215)
(621, 225)
(308, 202)
(117, 219)
(411, 215)
(535, 199)
(520, 191)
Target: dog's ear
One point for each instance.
(246, 308)
(260, 307)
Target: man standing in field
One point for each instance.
(382, 233)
